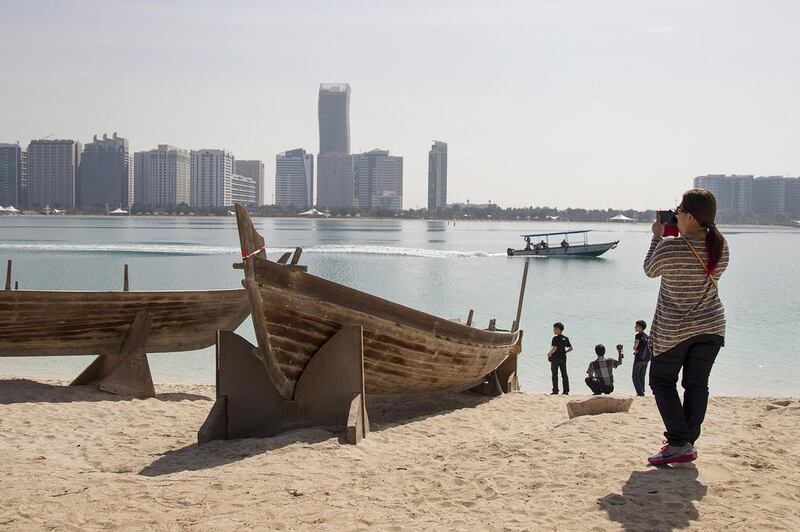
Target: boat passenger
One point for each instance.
(601, 371)
(564, 244)
(543, 244)
(527, 243)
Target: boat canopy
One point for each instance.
(556, 233)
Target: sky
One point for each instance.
(593, 104)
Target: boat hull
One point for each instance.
(405, 350)
(578, 250)
(44, 323)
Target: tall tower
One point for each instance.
(106, 173)
(13, 172)
(163, 176)
(437, 176)
(212, 175)
(334, 164)
(294, 179)
(378, 180)
(53, 173)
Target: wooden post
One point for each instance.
(125, 283)
(296, 256)
(521, 296)
(16, 285)
(8, 275)
(469, 317)
(492, 324)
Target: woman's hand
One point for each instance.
(658, 229)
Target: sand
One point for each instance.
(78, 459)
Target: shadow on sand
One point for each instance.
(661, 498)
(14, 391)
(385, 412)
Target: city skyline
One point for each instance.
(607, 102)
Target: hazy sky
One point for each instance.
(560, 103)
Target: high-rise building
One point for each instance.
(742, 193)
(243, 190)
(13, 175)
(212, 172)
(769, 195)
(253, 169)
(106, 173)
(721, 186)
(163, 176)
(334, 118)
(335, 180)
(294, 179)
(378, 180)
(53, 177)
(334, 164)
(793, 196)
(437, 176)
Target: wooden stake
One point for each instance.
(492, 324)
(469, 317)
(521, 296)
(125, 283)
(296, 256)
(16, 285)
(8, 275)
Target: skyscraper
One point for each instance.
(255, 170)
(334, 118)
(437, 176)
(378, 180)
(13, 175)
(212, 172)
(165, 176)
(106, 173)
(243, 190)
(334, 164)
(294, 179)
(53, 173)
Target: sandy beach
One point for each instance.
(77, 459)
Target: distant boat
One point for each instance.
(621, 218)
(118, 212)
(314, 212)
(565, 249)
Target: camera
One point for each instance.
(667, 217)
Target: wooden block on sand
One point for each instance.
(598, 405)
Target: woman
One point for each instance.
(688, 328)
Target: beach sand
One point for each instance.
(76, 459)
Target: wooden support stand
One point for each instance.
(503, 379)
(128, 372)
(330, 392)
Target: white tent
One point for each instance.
(620, 218)
(11, 208)
(2, 208)
(313, 212)
(117, 211)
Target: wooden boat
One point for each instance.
(565, 249)
(46, 323)
(297, 316)
(120, 327)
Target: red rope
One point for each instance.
(245, 256)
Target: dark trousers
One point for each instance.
(598, 387)
(695, 357)
(639, 372)
(555, 365)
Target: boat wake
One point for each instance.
(195, 249)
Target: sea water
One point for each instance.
(440, 267)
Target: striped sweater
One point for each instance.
(688, 303)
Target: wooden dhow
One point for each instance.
(119, 327)
(322, 346)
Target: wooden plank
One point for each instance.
(125, 282)
(284, 258)
(469, 317)
(296, 256)
(8, 275)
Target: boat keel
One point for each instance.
(128, 372)
(330, 391)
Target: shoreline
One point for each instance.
(77, 457)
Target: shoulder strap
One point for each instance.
(702, 263)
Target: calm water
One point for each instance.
(436, 267)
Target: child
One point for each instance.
(558, 357)
(641, 357)
(601, 371)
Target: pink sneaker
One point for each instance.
(671, 454)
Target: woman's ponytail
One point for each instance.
(702, 205)
(715, 243)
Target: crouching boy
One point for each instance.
(601, 371)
